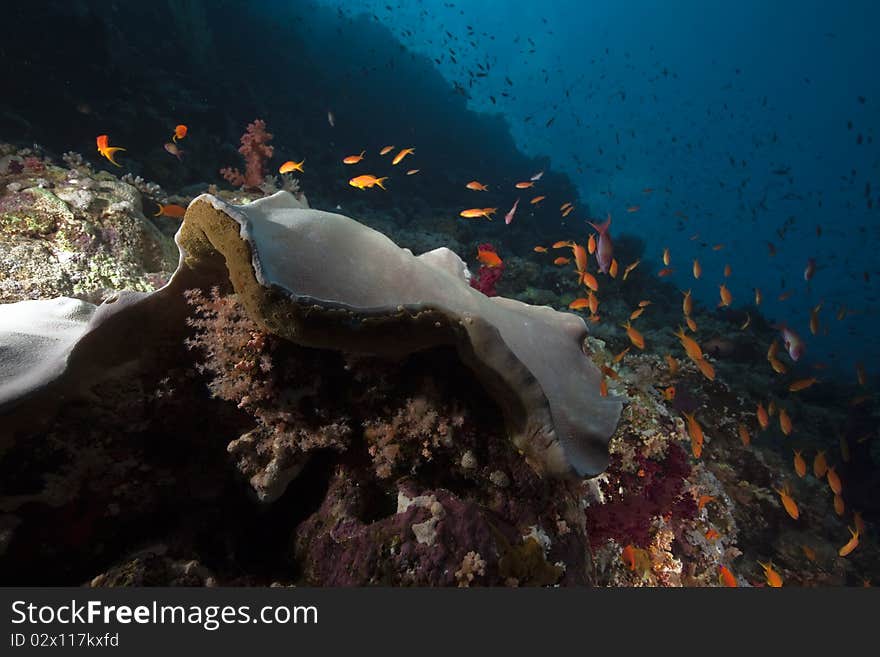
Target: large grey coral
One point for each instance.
(324, 280)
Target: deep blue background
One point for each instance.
(701, 101)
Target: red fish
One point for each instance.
(793, 343)
(605, 248)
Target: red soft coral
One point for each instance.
(256, 152)
(634, 499)
(487, 277)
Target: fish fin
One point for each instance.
(379, 182)
(108, 153)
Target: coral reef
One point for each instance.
(256, 151)
(71, 233)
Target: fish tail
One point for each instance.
(160, 209)
(108, 153)
(379, 182)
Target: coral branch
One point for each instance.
(256, 151)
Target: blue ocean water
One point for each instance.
(754, 123)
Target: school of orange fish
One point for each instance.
(599, 245)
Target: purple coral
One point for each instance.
(655, 488)
(256, 151)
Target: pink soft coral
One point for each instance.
(487, 277)
(256, 151)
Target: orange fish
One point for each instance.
(744, 434)
(580, 257)
(366, 181)
(290, 166)
(703, 500)
(412, 172)
(695, 431)
(591, 244)
(568, 211)
(666, 271)
(785, 295)
(477, 186)
(473, 213)
(565, 206)
(386, 150)
(578, 304)
(488, 258)
(537, 200)
(619, 357)
(706, 369)
(644, 303)
(562, 243)
(354, 159)
(814, 320)
(711, 535)
(561, 261)
(758, 296)
(628, 556)
(727, 271)
(672, 364)
(687, 304)
(698, 270)
(839, 506)
(633, 208)
(635, 314)
(763, 418)
(820, 465)
(634, 336)
(726, 577)
(778, 366)
(525, 185)
(802, 384)
(809, 552)
(603, 387)
(170, 210)
(788, 502)
(402, 154)
(726, 296)
(784, 422)
(108, 151)
(834, 480)
(540, 249)
(629, 268)
(612, 270)
(717, 247)
(852, 544)
(800, 466)
(607, 371)
(690, 345)
(179, 132)
(593, 302)
(666, 258)
(669, 393)
(774, 579)
(589, 280)
(692, 325)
